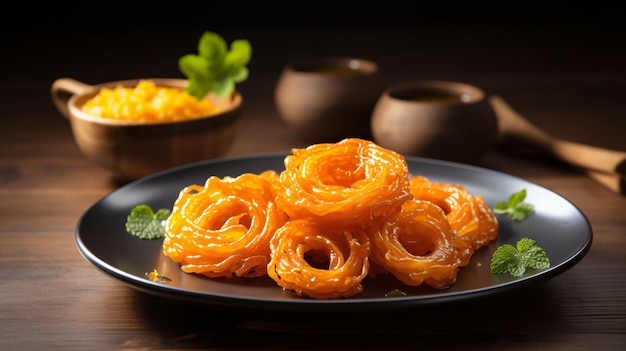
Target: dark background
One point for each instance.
(45, 18)
(44, 41)
(36, 34)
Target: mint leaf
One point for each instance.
(534, 256)
(525, 244)
(516, 259)
(198, 68)
(212, 47)
(521, 211)
(515, 207)
(216, 68)
(501, 258)
(517, 198)
(143, 223)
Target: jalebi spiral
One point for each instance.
(223, 229)
(472, 220)
(318, 261)
(417, 246)
(352, 181)
(338, 213)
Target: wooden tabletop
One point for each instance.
(569, 82)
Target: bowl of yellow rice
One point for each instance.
(138, 127)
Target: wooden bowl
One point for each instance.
(326, 99)
(435, 119)
(132, 150)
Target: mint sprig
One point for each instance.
(516, 259)
(215, 68)
(144, 223)
(515, 207)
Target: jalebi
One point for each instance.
(417, 246)
(224, 228)
(468, 214)
(337, 213)
(319, 261)
(352, 181)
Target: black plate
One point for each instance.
(557, 225)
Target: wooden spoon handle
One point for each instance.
(613, 181)
(514, 126)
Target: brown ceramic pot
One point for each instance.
(435, 119)
(328, 98)
(133, 150)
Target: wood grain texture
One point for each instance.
(565, 82)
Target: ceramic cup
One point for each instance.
(328, 98)
(435, 119)
(132, 150)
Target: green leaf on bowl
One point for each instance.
(216, 68)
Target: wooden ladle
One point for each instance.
(608, 167)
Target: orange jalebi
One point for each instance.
(468, 214)
(352, 181)
(417, 245)
(318, 261)
(224, 228)
(337, 213)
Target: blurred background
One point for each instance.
(194, 14)
(80, 39)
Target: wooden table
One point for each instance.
(570, 83)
